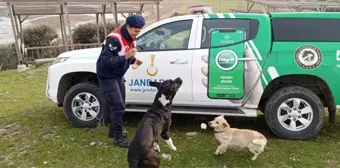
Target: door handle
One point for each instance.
(179, 61)
(247, 59)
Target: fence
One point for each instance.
(34, 53)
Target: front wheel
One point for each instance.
(84, 106)
(294, 112)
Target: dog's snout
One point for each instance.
(209, 123)
(179, 80)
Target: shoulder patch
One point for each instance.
(112, 48)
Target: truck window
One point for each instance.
(250, 26)
(306, 29)
(170, 36)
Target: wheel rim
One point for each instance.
(295, 114)
(85, 106)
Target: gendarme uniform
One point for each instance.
(111, 67)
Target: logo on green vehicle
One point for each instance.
(226, 60)
(308, 57)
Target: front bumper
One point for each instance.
(52, 83)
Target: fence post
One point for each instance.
(19, 55)
(68, 25)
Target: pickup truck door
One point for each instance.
(203, 41)
(163, 48)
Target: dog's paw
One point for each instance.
(217, 152)
(156, 147)
(254, 158)
(223, 151)
(173, 147)
(171, 144)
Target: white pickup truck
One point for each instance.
(179, 47)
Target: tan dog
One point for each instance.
(237, 138)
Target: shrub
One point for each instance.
(84, 33)
(37, 36)
(40, 35)
(87, 33)
(8, 57)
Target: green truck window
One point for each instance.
(250, 26)
(170, 36)
(306, 29)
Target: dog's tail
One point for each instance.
(262, 142)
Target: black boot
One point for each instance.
(111, 134)
(118, 140)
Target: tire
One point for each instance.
(92, 119)
(292, 94)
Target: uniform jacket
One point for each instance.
(111, 63)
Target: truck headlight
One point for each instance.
(60, 60)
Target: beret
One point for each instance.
(135, 21)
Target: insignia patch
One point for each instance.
(308, 57)
(112, 48)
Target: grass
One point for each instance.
(35, 133)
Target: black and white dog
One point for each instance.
(144, 148)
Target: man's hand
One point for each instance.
(137, 64)
(130, 53)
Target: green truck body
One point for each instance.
(299, 56)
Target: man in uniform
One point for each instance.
(115, 59)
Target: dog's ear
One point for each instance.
(154, 84)
(225, 125)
